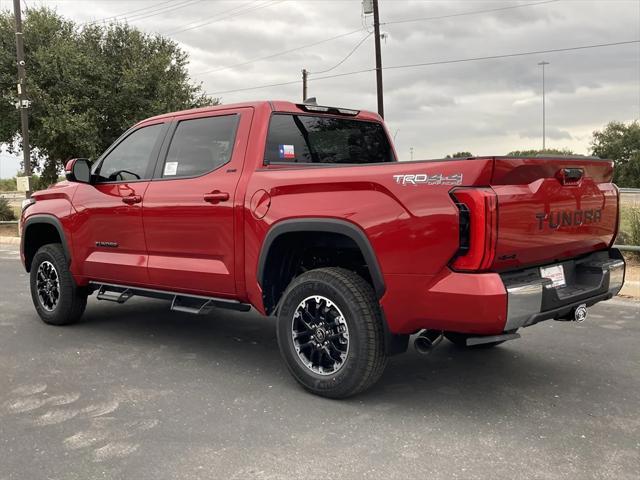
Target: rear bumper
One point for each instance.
(492, 303)
(532, 299)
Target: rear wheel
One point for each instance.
(460, 340)
(55, 295)
(330, 332)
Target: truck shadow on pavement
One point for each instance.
(514, 377)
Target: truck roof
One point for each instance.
(273, 105)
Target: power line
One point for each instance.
(188, 25)
(428, 64)
(113, 17)
(362, 40)
(393, 22)
(519, 54)
(133, 13)
(169, 8)
(236, 14)
(277, 54)
(464, 14)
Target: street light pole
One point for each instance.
(544, 113)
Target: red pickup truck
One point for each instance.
(303, 212)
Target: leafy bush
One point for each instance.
(460, 155)
(634, 229)
(37, 183)
(6, 212)
(8, 185)
(561, 152)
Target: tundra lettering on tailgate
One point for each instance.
(568, 218)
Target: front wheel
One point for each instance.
(55, 295)
(330, 332)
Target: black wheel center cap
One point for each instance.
(320, 334)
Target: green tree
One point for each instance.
(88, 85)
(620, 142)
(546, 151)
(460, 155)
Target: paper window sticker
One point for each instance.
(170, 168)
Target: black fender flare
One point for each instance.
(330, 225)
(49, 220)
(394, 344)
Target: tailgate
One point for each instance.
(552, 209)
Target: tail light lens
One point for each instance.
(478, 228)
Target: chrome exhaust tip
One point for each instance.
(580, 313)
(427, 341)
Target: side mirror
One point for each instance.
(78, 170)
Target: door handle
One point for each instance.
(216, 196)
(131, 199)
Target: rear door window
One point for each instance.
(200, 145)
(317, 139)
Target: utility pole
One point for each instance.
(23, 102)
(376, 32)
(305, 76)
(544, 112)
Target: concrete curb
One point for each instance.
(10, 240)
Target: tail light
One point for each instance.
(478, 228)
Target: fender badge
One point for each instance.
(107, 244)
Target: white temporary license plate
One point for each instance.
(555, 274)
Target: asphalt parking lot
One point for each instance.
(137, 392)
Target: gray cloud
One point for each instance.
(486, 107)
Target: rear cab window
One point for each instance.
(315, 139)
(200, 145)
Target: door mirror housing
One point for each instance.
(78, 170)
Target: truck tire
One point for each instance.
(460, 340)
(330, 332)
(55, 295)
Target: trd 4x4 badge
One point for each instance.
(424, 179)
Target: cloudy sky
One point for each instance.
(486, 107)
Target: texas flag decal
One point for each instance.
(286, 151)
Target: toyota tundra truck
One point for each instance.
(303, 212)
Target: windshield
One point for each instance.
(318, 139)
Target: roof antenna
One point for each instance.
(310, 101)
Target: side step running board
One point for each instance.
(491, 338)
(112, 296)
(180, 302)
